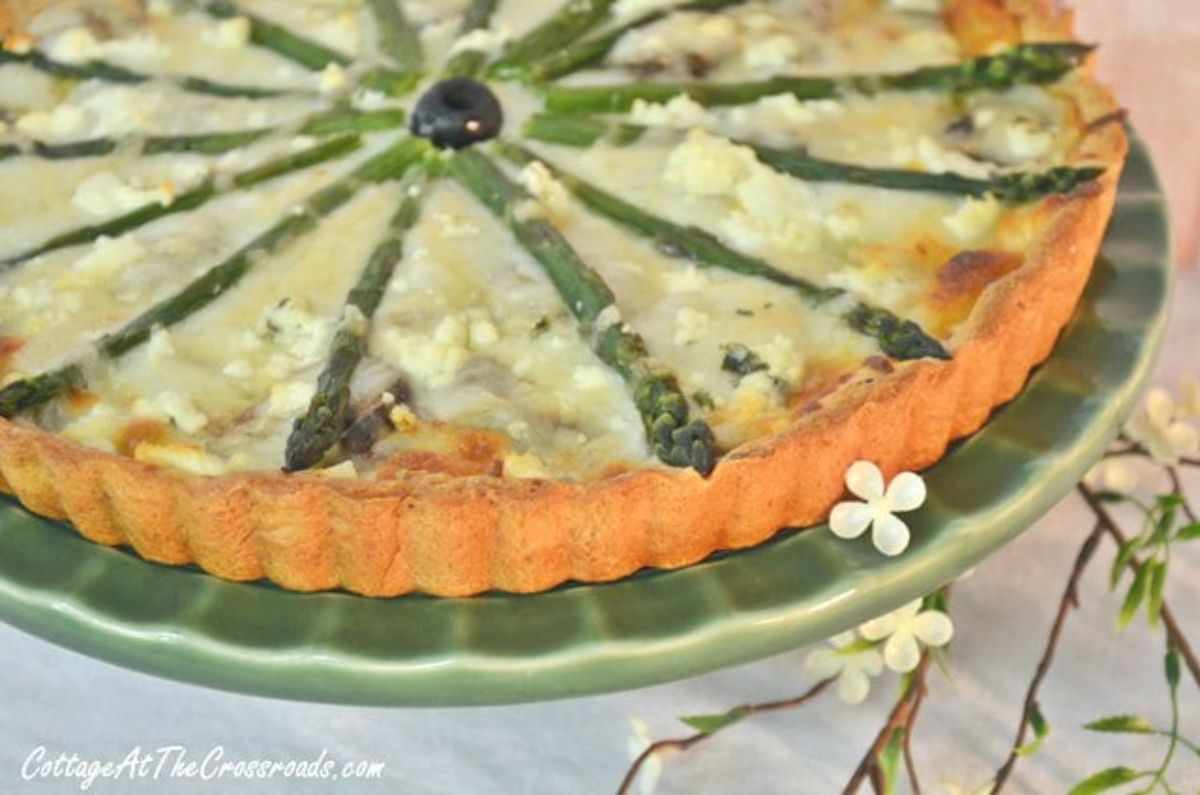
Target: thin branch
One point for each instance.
(1069, 601)
(1177, 484)
(684, 743)
(909, 764)
(1190, 462)
(901, 716)
(1174, 631)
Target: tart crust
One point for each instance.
(456, 536)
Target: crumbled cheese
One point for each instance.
(104, 194)
(686, 280)
(609, 316)
(106, 258)
(708, 165)
(973, 219)
(343, 471)
(782, 111)
(98, 427)
(229, 34)
(773, 53)
(1020, 141)
(403, 419)
(756, 394)
(776, 210)
(712, 38)
(690, 325)
(332, 78)
(300, 335)
(845, 222)
(289, 399)
(160, 9)
(528, 210)
(483, 40)
(174, 407)
(919, 6)
(483, 333)
(524, 466)
(160, 347)
(591, 378)
(781, 358)
(238, 368)
(932, 156)
(679, 113)
(369, 99)
(62, 122)
(629, 9)
(549, 192)
(19, 42)
(77, 45)
(186, 458)
(434, 360)
(354, 320)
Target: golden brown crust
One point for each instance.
(447, 535)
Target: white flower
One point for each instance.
(1158, 425)
(1191, 396)
(1113, 474)
(851, 519)
(906, 630)
(639, 740)
(853, 669)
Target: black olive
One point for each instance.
(456, 113)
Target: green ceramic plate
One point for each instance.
(651, 628)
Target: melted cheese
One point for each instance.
(470, 324)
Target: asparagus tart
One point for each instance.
(459, 295)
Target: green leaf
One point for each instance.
(1189, 532)
(1041, 730)
(711, 724)
(889, 760)
(1171, 665)
(1124, 554)
(1166, 520)
(1105, 780)
(1158, 581)
(1133, 599)
(1121, 724)
(1110, 496)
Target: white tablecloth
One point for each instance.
(68, 703)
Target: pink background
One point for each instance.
(1151, 54)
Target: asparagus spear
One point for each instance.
(310, 54)
(190, 200)
(579, 130)
(111, 73)
(572, 20)
(335, 122)
(1017, 187)
(397, 37)
(21, 396)
(394, 161)
(328, 413)
(469, 63)
(589, 52)
(677, 439)
(1022, 65)
(898, 338)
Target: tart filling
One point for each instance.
(505, 241)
